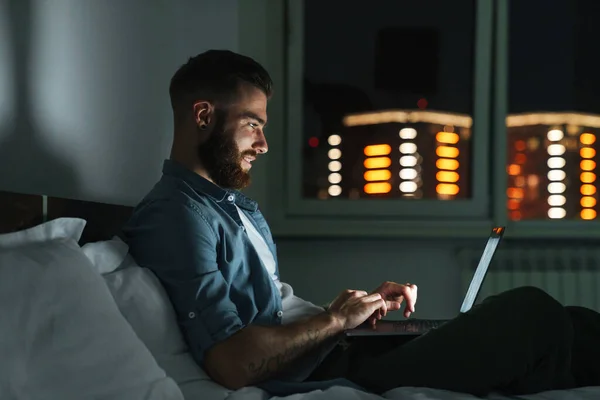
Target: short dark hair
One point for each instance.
(216, 76)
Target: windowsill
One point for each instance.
(324, 227)
(378, 228)
(555, 229)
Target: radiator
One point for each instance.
(571, 275)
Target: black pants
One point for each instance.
(519, 342)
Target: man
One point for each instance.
(212, 250)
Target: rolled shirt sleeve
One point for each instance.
(179, 245)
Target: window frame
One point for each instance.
(528, 229)
(291, 215)
(265, 28)
(477, 206)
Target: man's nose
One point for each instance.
(260, 144)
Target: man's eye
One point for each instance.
(253, 125)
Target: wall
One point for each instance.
(84, 109)
(320, 269)
(84, 113)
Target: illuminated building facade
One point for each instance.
(398, 154)
(552, 166)
(418, 154)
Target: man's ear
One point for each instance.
(203, 113)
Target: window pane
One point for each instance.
(554, 102)
(388, 92)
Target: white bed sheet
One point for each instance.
(410, 393)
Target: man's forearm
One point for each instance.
(278, 347)
(258, 353)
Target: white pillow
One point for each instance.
(62, 335)
(143, 301)
(106, 256)
(60, 228)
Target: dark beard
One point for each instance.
(222, 159)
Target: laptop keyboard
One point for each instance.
(417, 325)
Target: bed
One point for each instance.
(81, 320)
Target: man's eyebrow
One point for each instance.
(250, 114)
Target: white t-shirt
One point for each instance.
(294, 308)
(260, 246)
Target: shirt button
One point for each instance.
(231, 198)
(243, 227)
(192, 315)
(279, 314)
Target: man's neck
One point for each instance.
(191, 164)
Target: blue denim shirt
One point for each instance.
(188, 232)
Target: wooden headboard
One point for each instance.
(21, 211)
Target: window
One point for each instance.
(369, 85)
(433, 118)
(388, 108)
(553, 110)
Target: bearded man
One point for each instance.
(212, 250)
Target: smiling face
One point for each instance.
(236, 139)
(247, 120)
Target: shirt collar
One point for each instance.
(204, 186)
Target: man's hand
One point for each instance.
(394, 294)
(352, 307)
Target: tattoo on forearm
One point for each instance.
(269, 366)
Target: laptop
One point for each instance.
(417, 327)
